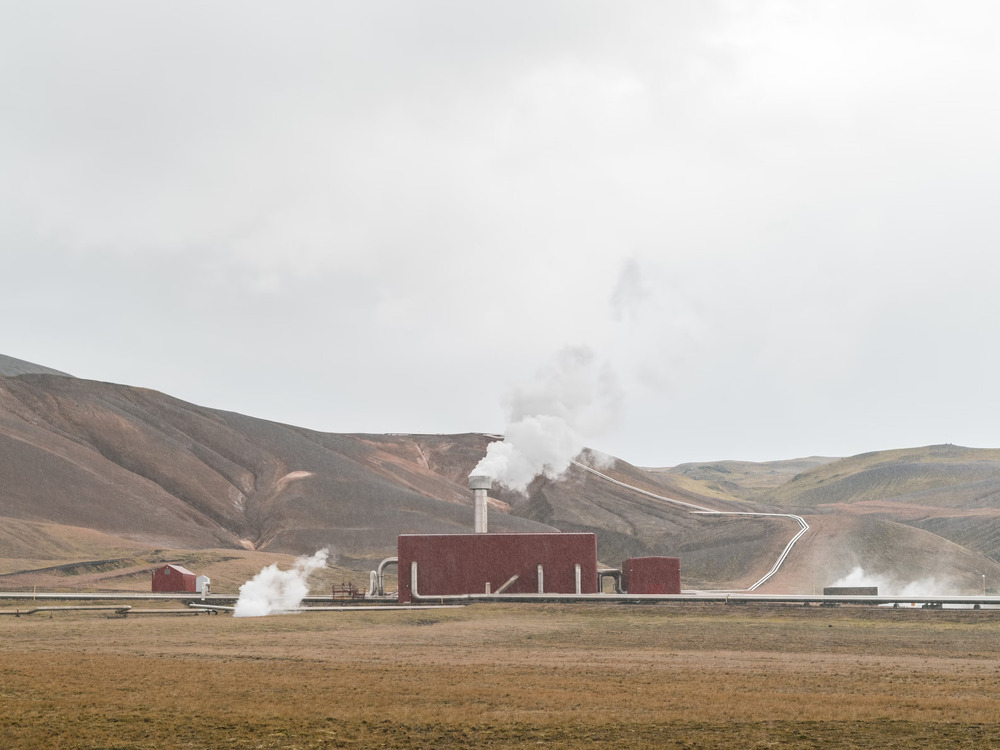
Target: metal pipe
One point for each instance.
(68, 608)
(803, 528)
(508, 584)
(480, 485)
(613, 573)
(709, 511)
(346, 608)
(381, 572)
(723, 597)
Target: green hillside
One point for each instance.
(939, 475)
(747, 480)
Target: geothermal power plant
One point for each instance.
(484, 564)
(446, 569)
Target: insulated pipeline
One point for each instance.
(803, 526)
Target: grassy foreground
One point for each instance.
(497, 676)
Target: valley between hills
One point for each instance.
(100, 483)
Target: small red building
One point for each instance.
(652, 575)
(450, 564)
(174, 578)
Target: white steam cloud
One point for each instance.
(889, 587)
(549, 420)
(273, 591)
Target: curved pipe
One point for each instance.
(381, 572)
(610, 573)
(804, 527)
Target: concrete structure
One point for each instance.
(174, 578)
(203, 585)
(448, 564)
(652, 575)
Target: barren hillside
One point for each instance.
(145, 470)
(143, 466)
(872, 511)
(104, 480)
(10, 366)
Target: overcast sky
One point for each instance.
(769, 229)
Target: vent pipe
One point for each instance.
(479, 485)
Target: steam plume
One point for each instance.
(273, 591)
(888, 586)
(549, 420)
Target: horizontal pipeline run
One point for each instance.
(123, 609)
(719, 597)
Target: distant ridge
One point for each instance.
(106, 474)
(11, 367)
(81, 457)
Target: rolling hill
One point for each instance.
(105, 480)
(938, 475)
(144, 466)
(10, 367)
(868, 508)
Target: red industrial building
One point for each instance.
(652, 575)
(174, 578)
(440, 565)
(449, 564)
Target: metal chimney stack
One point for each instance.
(479, 485)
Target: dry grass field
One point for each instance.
(500, 676)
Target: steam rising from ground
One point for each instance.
(550, 419)
(891, 587)
(273, 591)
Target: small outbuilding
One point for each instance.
(850, 591)
(174, 578)
(652, 575)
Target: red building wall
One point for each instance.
(652, 575)
(174, 578)
(464, 563)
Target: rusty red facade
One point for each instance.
(652, 575)
(174, 578)
(449, 564)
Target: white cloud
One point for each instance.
(774, 219)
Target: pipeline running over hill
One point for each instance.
(701, 510)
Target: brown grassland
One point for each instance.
(498, 676)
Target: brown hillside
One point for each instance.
(902, 559)
(717, 551)
(949, 490)
(143, 466)
(142, 470)
(117, 478)
(11, 366)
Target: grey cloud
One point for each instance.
(762, 216)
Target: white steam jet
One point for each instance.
(273, 591)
